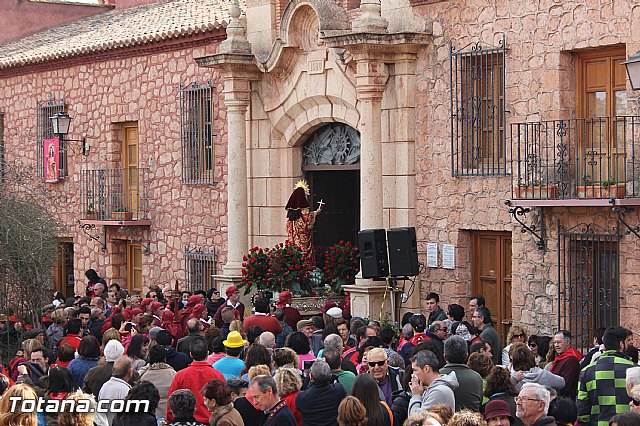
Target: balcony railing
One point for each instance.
(115, 194)
(579, 158)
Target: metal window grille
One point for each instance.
(44, 130)
(200, 267)
(196, 133)
(588, 281)
(478, 110)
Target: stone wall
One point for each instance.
(541, 37)
(101, 96)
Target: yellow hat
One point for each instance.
(234, 340)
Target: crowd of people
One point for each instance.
(201, 359)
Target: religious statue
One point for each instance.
(300, 220)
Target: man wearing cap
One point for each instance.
(98, 376)
(231, 365)
(262, 319)
(497, 413)
(46, 315)
(233, 301)
(305, 326)
(291, 314)
(156, 309)
(194, 377)
(146, 305)
(35, 333)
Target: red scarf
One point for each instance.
(566, 354)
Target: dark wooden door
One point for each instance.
(491, 275)
(340, 217)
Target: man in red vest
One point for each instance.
(566, 363)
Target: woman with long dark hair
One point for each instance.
(60, 383)
(137, 350)
(366, 389)
(300, 344)
(255, 355)
(88, 356)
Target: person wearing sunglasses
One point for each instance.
(516, 334)
(388, 378)
(600, 397)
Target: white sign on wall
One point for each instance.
(432, 255)
(448, 256)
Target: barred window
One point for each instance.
(44, 130)
(589, 281)
(478, 111)
(200, 267)
(196, 133)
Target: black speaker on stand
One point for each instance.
(403, 252)
(373, 253)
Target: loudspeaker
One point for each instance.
(403, 252)
(373, 253)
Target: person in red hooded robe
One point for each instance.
(187, 312)
(172, 325)
(291, 314)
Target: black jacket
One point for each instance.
(437, 315)
(395, 378)
(400, 407)
(319, 404)
(284, 417)
(145, 419)
(177, 360)
(183, 344)
(249, 413)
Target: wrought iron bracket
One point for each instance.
(538, 231)
(621, 211)
(90, 230)
(144, 242)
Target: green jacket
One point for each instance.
(470, 390)
(602, 389)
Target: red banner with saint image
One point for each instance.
(51, 160)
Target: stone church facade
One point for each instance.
(462, 118)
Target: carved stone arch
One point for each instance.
(293, 126)
(331, 16)
(302, 23)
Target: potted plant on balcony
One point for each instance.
(91, 213)
(536, 190)
(121, 213)
(608, 188)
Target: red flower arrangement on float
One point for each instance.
(341, 265)
(274, 269)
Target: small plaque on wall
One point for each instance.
(448, 256)
(432, 255)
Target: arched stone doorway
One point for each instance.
(331, 164)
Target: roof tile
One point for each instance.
(118, 28)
